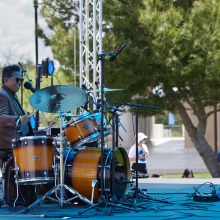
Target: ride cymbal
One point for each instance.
(61, 98)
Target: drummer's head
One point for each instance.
(12, 78)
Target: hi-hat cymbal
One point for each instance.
(108, 90)
(61, 98)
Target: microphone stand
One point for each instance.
(24, 72)
(136, 106)
(38, 78)
(102, 199)
(115, 135)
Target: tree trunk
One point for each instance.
(197, 135)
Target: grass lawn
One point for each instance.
(196, 175)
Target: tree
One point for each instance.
(61, 18)
(171, 60)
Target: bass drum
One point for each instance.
(84, 167)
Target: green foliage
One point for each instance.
(170, 45)
(61, 18)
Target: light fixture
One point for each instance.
(47, 67)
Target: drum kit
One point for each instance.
(73, 168)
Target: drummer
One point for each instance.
(13, 120)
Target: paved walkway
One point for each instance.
(169, 155)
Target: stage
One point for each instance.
(158, 198)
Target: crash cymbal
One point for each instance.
(61, 98)
(109, 90)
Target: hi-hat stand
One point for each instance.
(61, 187)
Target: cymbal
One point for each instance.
(61, 98)
(67, 115)
(108, 90)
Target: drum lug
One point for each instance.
(35, 157)
(16, 168)
(28, 175)
(13, 143)
(108, 167)
(45, 174)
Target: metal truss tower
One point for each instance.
(90, 36)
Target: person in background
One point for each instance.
(14, 122)
(142, 154)
(187, 174)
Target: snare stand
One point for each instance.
(61, 187)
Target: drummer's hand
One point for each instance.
(25, 119)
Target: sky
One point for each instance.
(17, 37)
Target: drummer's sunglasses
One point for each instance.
(17, 79)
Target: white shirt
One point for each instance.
(132, 153)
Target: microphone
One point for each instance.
(28, 85)
(118, 51)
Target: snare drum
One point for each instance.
(86, 129)
(33, 159)
(83, 167)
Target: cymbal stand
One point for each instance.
(61, 187)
